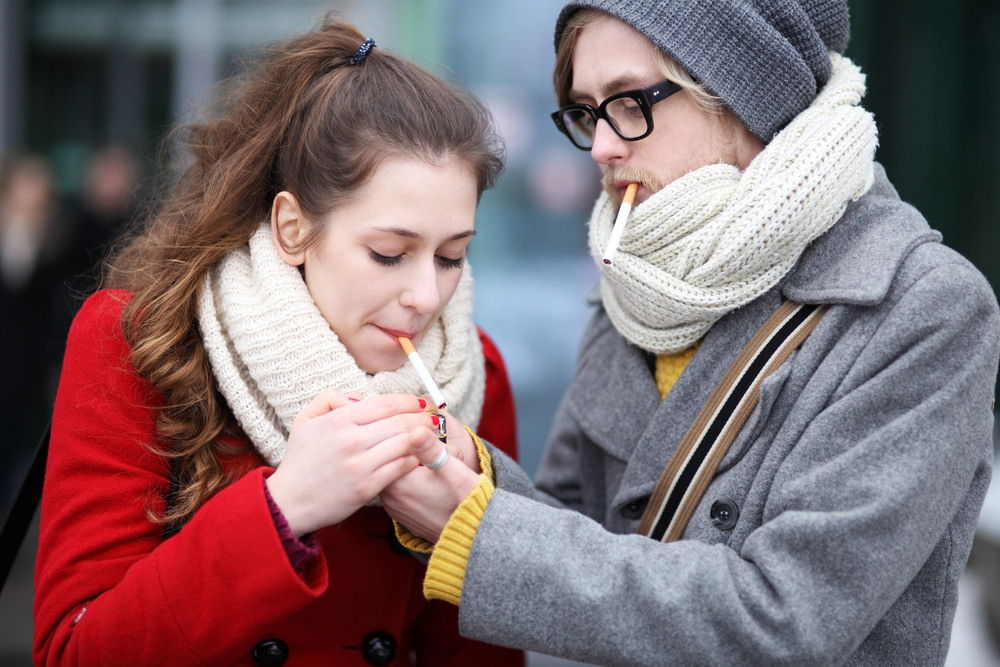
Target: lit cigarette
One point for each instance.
(619, 228)
(422, 371)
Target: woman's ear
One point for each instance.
(288, 228)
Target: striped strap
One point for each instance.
(693, 465)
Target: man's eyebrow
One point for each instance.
(608, 88)
(410, 234)
(620, 84)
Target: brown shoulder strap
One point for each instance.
(696, 459)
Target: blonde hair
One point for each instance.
(562, 74)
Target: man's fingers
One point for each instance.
(431, 452)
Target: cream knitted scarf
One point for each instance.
(715, 238)
(272, 351)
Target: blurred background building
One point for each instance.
(87, 88)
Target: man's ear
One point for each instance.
(288, 228)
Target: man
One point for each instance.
(834, 525)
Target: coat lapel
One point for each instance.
(613, 393)
(675, 414)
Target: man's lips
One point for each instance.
(621, 186)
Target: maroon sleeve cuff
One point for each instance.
(300, 551)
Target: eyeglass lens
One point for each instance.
(623, 113)
(580, 126)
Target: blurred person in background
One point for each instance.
(235, 398)
(832, 526)
(108, 201)
(33, 258)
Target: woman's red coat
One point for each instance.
(110, 591)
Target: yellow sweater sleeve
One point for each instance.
(446, 569)
(422, 546)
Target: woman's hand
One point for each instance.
(342, 452)
(425, 499)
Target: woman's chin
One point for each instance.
(380, 363)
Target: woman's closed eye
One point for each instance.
(450, 262)
(385, 260)
(395, 260)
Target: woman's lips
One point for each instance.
(397, 333)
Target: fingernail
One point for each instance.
(435, 419)
(355, 400)
(423, 404)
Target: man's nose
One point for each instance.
(608, 146)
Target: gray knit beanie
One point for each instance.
(766, 59)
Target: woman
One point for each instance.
(236, 399)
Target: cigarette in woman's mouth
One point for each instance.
(425, 375)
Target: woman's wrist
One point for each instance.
(299, 549)
(284, 500)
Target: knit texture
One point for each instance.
(299, 550)
(717, 238)
(669, 368)
(446, 568)
(272, 351)
(766, 59)
(419, 544)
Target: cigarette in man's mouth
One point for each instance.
(619, 228)
(422, 371)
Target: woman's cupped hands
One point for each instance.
(342, 451)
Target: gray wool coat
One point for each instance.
(857, 480)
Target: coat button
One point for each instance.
(724, 514)
(634, 509)
(270, 653)
(378, 648)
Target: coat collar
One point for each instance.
(855, 261)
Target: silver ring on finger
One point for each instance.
(439, 462)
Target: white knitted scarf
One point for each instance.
(272, 351)
(717, 238)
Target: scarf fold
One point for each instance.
(272, 351)
(717, 238)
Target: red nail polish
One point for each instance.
(355, 400)
(423, 403)
(435, 419)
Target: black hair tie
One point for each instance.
(362, 51)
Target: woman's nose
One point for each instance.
(421, 291)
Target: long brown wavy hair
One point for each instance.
(302, 119)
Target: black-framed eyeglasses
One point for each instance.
(630, 115)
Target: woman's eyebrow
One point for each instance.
(410, 234)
